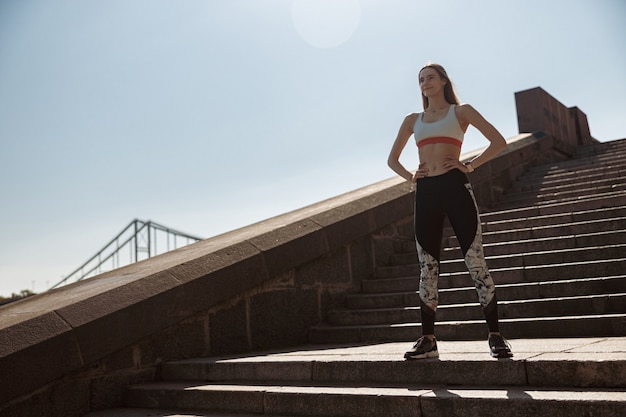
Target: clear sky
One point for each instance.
(209, 115)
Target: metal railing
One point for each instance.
(139, 240)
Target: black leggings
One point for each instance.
(450, 195)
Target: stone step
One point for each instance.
(539, 307)
(573, 376)
(617, 199)
(454, 262)
(591, 226)
(151, 412)
(541, 183)
(535, 327)
(506, 292)
(587, 164)
(533, 239)
(552, 219)
(374, 401)
(562, 192)
(613, 146)
(525, 259)
(405, 278)
(604, 215)
(280, 398)
(578, 240)
(570, 199)
(593, 362)
(573, 171)
(529, 199)
(519, 231)
(406, 253)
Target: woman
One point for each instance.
(443, 189)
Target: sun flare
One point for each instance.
(326, 23)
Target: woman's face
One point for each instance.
(430, 82)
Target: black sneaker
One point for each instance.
(499, 347)
(423, 348)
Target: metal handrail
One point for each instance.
(140, 226)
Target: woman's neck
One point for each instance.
(437, 104)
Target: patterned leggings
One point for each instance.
(450, 195)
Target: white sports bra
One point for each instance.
(446, 130)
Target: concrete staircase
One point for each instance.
(374, 381)
(556, 248)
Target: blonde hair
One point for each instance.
(449, 92)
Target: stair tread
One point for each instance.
(459, 322)
(587, 297)
(511, 268)
(567, 350)
(553, 207)
(152, 412)
(500, 286)
(563, 392)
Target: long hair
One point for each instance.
(449, 93)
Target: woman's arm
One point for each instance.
(405, 132)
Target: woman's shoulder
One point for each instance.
(409, 122)
(465, 111)
(411, 117)
(464, 107)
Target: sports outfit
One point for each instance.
(451, 195)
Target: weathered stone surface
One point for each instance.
(332, 270)
(186, 339)
(107, 390)
(228, 329)
(240, 272)
(362, 264)
(53, 400)
(105, 322)
(35, 352)
(282, 317)
(291, 245)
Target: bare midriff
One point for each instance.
(432, 157)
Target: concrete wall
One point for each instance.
(71, 350)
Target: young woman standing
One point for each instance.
(443, 189)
